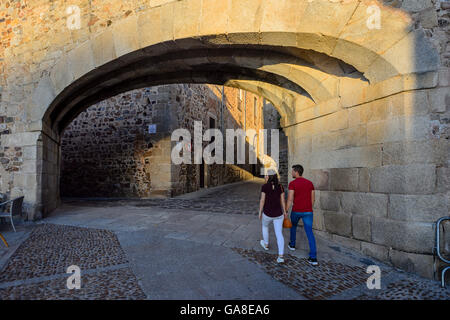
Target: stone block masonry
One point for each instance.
(107, 151)
(365, 110)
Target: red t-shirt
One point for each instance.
(302, 194)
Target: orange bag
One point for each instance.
(287, 223)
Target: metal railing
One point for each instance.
(438, 248)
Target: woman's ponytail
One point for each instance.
(273, 180)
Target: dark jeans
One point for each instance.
(307, 218)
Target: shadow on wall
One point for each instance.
(432, 140)
(107, 151)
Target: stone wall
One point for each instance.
(382, 128)
(107, 151)
(272, 121)
(382, 171)
(200, 103)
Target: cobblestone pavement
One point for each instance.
(313, 282)
(330, 279)
(131, 251)
(409, 290)
(226, 200)
(37, 268)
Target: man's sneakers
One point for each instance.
(263, 244)
(312, 261)
(280, 259)
(291, 248)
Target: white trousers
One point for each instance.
(278, 227)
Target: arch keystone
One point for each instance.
(103, 48)
(125, 36)
(325, 17)
(245, 16)
(214, 17)
(186, 18)
(81, 59)
(282, 15)
(61, 75)
(41, 98)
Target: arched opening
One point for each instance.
(121, 148)
(352, 100)
(277, 74)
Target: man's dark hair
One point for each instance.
(298, 168)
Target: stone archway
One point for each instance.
(333, 79)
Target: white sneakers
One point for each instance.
(266, 247)
(262, 243)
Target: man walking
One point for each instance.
(301, 195)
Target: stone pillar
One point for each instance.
(21, 174)
(49, 163)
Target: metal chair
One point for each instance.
(15, 209)
(437, 249)
(4, 240)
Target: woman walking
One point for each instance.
(272, 208)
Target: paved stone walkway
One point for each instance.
(37, 269)
(238, 198)
(131, 250)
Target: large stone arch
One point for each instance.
(317, 61)
(332, 29)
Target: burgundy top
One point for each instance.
(272, 205)
(302, 194)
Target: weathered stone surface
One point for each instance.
(443, 179)
(344, 179)
(364, 180)
(444, 77)
(81, 60)
(347, 242)
(320, 178)
(428, 18)
(439, 99)
(126, 38)
(214, 17)
(366, 156)
(103, 48)
(399, 129)
(402, 153)
(376, 251)
(367, 204)
(333, 122)
(415, 237)
(43, 95)
(421, 264)
(61, 75)
(417, 48)
(426, 208)
(155, 3)
(318, 220)
(338, 223)
(416, 5)
(20, 139)
(361, 228)
(408, 179)
(186, 18)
